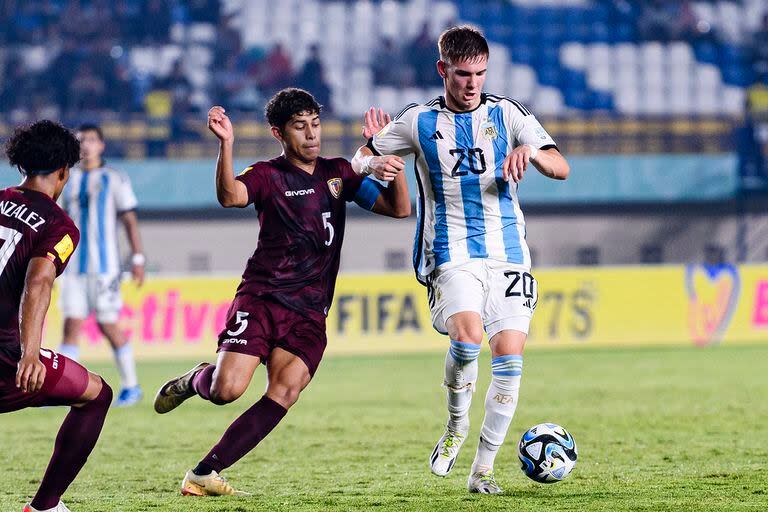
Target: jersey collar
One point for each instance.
(444, 105)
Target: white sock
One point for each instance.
(500, 405)
(70, 351)
(460, 378)
(126, 366)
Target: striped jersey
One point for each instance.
(465, 208)
(94, 199)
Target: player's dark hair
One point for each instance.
(42, 147)
(288, 103)
(462, 43)
(90, 127)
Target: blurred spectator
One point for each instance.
(235, 90)
(156, 21)
(203, 11)
(422, 55)
(228, 40)
(389, 67)
(657, 19)
(128, 14)
(179, 89)
(760, 48)
(275, 71)
(312, 78)
(86, 90)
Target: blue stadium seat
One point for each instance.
(706, 52)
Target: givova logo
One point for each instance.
(305, 192)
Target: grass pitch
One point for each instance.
(657, 429)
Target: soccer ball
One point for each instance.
(547, 452)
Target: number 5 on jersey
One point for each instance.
(327, 225)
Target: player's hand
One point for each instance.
(387, 167)
(30, 374)
(516, 163)
(220, 125)
(374, 122)
(137, 272)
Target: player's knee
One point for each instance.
(106, 394)
(284, 394)
(222, 394)
(468, 334)
(98, 393)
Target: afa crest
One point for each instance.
(334, 185)
(488, 129)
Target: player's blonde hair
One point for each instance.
(462, 43)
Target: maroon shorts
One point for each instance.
(256, 325)
(65, 382)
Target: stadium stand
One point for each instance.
(161, 57)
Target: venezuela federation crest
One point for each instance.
(334, 185)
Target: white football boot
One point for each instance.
(483, 482)
(446, 450)
(61, 507)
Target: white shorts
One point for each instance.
(503, 294)
(83, 294)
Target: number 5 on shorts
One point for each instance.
(241, 319)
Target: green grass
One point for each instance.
(657, 429)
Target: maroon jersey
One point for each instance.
(302, 219)
(31, 225)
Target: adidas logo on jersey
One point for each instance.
(436, 136)
(305, 192)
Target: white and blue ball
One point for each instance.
(547, 453)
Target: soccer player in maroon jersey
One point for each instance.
(279, 311)
(36, 240)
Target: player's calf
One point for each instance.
(460, 378)
(500, 404)
(77, 436)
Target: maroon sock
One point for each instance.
(202, 382)
(245, 433)
(77, 437)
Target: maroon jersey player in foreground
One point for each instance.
(36, 240)
(279, 310)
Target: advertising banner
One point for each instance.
(388, 312)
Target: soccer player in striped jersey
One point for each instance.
(471, 150)
(96, 197)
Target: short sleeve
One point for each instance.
(527, 129)
(397, 137)
(125, 199)
(253, 180)
(57, 244)
(350, 181)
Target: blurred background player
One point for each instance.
(37, 239)
(470, 241)
(96, 197)
(279, 311)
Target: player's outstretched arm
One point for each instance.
(230, 192)
(549, 162)
(365, 162)
(35, 300)
(385, 167)
(394, 200)
(131, 222)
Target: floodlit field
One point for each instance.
(657, 429)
